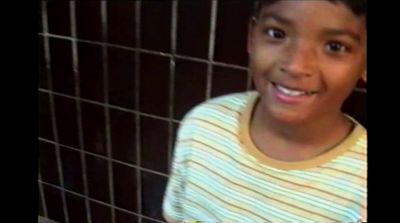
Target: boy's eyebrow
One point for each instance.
(343, 32)
(276, 17)
(328, 31)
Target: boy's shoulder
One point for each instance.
(229, 103)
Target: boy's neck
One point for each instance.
(296, 142)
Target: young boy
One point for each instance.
(285, 153)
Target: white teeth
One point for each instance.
(290, 92)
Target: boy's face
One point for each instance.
(305, 58)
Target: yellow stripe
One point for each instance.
(349, 174)
(283, 205)
(341, 197)
(357, 156)
(204, 123)
(358, 152)
(289, 184)
(238, 208)
(224, 107)
(193, 203)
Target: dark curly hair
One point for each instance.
(358, 7)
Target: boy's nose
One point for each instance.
(300, 61)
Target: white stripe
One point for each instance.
(252, 204)
(199, 216)
(278, 189)
(342, 162)
(218, 115)
(195, 194)
(216, 127)
(331, 181)
(215, 140)
(363, 144)
(349, 160)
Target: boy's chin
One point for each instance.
(290, 117)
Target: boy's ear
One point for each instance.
(364, 76)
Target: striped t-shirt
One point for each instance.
(219, 175)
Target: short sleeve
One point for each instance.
(175, 191)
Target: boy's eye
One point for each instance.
(336, 47)
(274, 33)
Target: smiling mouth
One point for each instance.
(291, 92)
